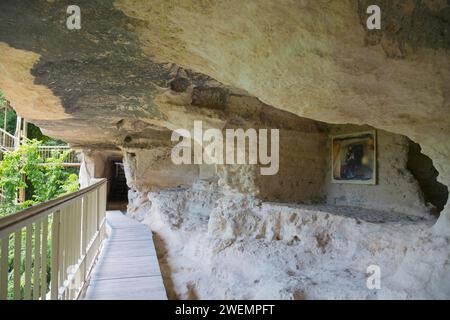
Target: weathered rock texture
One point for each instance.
(214, 245)
(137, 70)
(316, 59)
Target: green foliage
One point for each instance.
(71, 184)
(24, 168)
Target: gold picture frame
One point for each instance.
(354, 158)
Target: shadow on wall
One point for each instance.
(426, 175)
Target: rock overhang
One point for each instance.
(116, 82)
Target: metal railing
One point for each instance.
(48, 250)
(7, 141)
(47, 152)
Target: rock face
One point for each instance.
(137, 70)
(316, 59)
(215, 245)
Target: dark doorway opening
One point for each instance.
(118, 189)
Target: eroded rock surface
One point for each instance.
(316, 59)
(137, 70)
(215, 246)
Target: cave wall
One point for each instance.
(147, 169)
(93, 165)
(304, 173)
(215, 245)
(396, 190)
(316, 59)
(302, 154)
(301, 170)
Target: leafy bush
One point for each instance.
(24, 168)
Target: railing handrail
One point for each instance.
(28, 215)
(7, 133)
(65, 233)
(47, 152)
(54, 147)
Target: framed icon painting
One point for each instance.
(353, 158)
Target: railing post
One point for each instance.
(4, 269)
(84, 235)
(37, 258)
(28, 249)
(44, 259)
(17, 263)
(63, 252)
(103, 189)
(55, 256)
(98, 208)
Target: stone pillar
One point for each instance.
(92, 166)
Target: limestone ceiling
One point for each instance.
(118, 74)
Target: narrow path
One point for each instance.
(127, 267)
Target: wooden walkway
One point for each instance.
(127, 268)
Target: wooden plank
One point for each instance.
(130, 236)
(55, 257)
(28, 257)
(142, 288)
(70, 238)
(17, 263)
(63, 234)
(37, 260)
(136, 248)
(98, 208)
(124, 267)
(44, 259)
(78, 232)
(4, 269)
(84, 237)
(128, 267)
